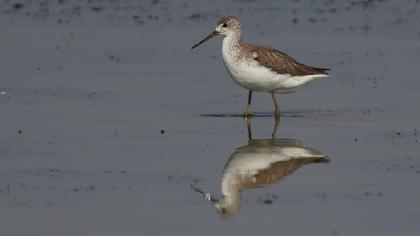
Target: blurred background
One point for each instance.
(107, 118)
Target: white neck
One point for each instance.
(232, 41)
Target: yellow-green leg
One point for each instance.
(276, 106)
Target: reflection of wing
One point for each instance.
(287, 142)
(280, 170)
(265, 161)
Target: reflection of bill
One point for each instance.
(261, 162)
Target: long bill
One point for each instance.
(211, 35)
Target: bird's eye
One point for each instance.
(225, 24)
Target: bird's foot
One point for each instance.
(247, 113)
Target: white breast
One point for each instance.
(247, 72)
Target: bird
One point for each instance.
(259, 68)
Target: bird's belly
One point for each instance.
(257, 78)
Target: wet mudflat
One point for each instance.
(108, 119)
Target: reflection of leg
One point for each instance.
(248, 126)
(276, 106)
(247, 112)
(275, 127)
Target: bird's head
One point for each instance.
(226, 26)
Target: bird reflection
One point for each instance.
(257, 164)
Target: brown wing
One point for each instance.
(281, 62)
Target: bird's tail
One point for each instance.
(321, 70)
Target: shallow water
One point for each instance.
(108, 119)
